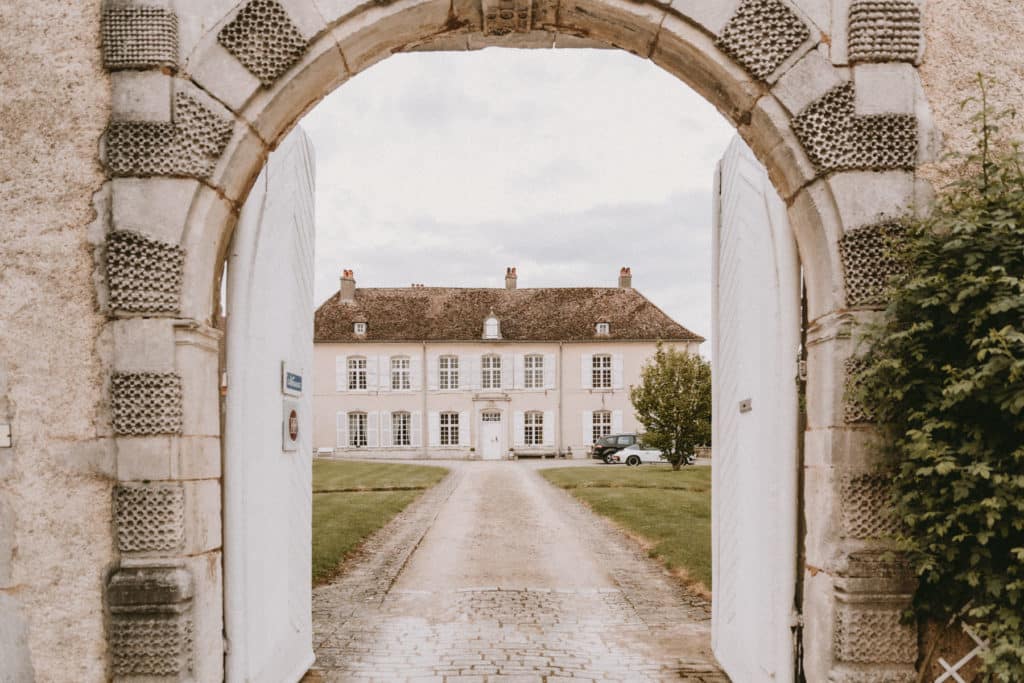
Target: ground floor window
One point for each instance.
(602, 424)
(533, 428)
(357, 430)
(400, 429)
(449, 429)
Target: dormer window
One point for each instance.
(359, 328)
(492, 327)
(604, 329)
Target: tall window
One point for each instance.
(533, 428)
(492, 328)
(602, 424)
(602, 371)
(356, 373)
(533, 371)
(490, 370)
(448, 372)
(449, 429)
(357, 430)
(400, 429)
(400, 374)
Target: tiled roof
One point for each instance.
(456, 314)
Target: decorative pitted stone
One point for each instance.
(144, 274)
(869, 262)
(190, 146)
(151, 622)
(761, 35)
(149, 517)
(264, 39)
(903, 675)
(884, 31)
(836, 139)
(146, 403)
(873, 634)
(854, 410)
(139, 37)
(506, 16)
(866, 505)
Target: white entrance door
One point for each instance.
(491, 435)
(267, 489)
(754, 473)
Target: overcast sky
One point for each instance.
(444, 168)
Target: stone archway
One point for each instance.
(826, 94)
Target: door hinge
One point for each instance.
(801, 369)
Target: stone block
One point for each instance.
(196, 457)
(146, 403)
(207, 577)
(268, 38)
(377, 32)
(763, 35)
(866, 198)
(777, 147)
(143, 345)
(531, 39)
(219, 72)
(810, 78)
(689, 54)
(869, 264)
(196, 353)
(624, 24)
(154, 207)
(143, 275)
(144, 458)
(141, 34)
(446, 42)
(821, 540)
(243, 157)
(210, 213)
(885, 89)
(819, 605)
(885, 31)
(830, 342)
(149, 518)
(711, 15)
(202, 516)
(816, 223)
(565, 40)
(141, 96)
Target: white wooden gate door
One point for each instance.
(267, 489)
(756, 305)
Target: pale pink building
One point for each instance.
(444, 372)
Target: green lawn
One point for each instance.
(669, 512)
(351, 501)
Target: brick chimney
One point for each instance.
(510, 278)
(348, 286)
(625, 278)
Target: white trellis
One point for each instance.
(952, 669)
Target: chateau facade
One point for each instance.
(433, 372)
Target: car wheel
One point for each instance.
(608, 460)
(633, 460)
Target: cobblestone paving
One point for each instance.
(409, 609)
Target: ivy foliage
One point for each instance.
(673, 403)
(944, 374)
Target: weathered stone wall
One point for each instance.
(55, 539)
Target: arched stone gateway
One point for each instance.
(827, 94)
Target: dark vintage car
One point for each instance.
(606, 446)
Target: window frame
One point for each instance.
(401, 376)
(357, 430)
(490, 371)
(533, 428)
(533, 374)
(448, 372)
(448, 428)
(603, 329)
(601, 371)
(359, 328)
(492, 328)
(401, 425)
(600, 425)
(356, 374)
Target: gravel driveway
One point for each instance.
(495, 575)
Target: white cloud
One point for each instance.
(444, 168)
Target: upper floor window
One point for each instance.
(604, 328)
(359, 328)
(533, 428)
(492, 328)
(601, 371)
(533, 371)
(357, 430)
(400, 429)
(602, 424)
(356, 373)
(490, 371)
(400, 375)
(448, 372)
(449, 429)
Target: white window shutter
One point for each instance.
(464, 428)
(519, 422)
(385, 429)
(416, 429)
(588, 427)
(549, 371)
(616, 422)
(371, 372)
(340, 373)
(465, 371)
(549, 428)
(587, 371)
(372, 429)
(474, 367)
(616, 371)
(342, 430)
(415, 373)
(432, 368)
(520, 371)
(434, 428)
(506, 371)
(383, 372)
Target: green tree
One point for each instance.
(945, 377)
(673, 403)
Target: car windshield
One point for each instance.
(606, 441)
